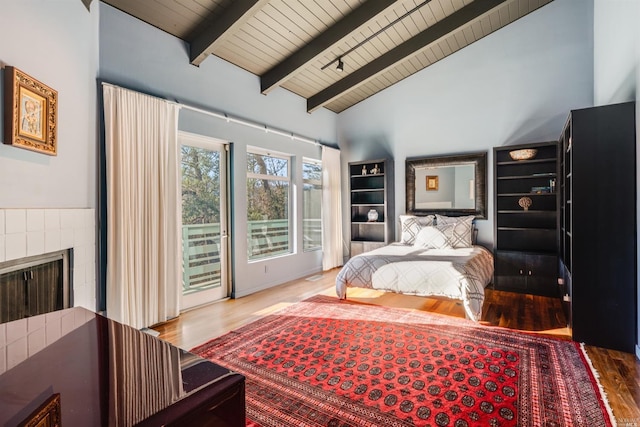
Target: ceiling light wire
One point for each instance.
(376, 34)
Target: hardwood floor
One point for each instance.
(619, 372)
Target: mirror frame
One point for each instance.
(479, 160)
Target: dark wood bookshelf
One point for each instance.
(598, 223)
(527, 240)
(371, 191)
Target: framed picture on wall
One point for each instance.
(30, 112)
(432, 182)
(47, 415)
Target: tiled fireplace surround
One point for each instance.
(28, 232)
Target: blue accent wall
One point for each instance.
(514, 86)
(140, 57)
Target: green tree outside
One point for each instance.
(200, 186)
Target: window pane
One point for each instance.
(268, 217)
(200, 185)
(312, 205)
(268, 206)
(200, 219)
(267, 165)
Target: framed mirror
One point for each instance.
(452, 185)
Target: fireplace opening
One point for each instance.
(36, 285)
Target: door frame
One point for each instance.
(188, 302)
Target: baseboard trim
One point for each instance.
(273, 283)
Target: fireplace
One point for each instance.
(36, 285)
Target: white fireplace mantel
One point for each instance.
(28, 232)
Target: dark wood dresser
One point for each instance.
(108, 374)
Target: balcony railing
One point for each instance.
(312, 234)
(201, 257)
(201, 248)
(268, 238)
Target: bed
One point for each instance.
(457, 273)
(437, 253)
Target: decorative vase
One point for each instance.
(364, 169)
(372, 215)
(525, 203)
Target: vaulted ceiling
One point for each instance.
(298, 44)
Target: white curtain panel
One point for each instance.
(144, 253)
(332, 255)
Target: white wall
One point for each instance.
(47, 203)
(55, 42)
(616, 64)
(141, 57)
(514, 86)
(615, 50)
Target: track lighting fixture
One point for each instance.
(340, 66)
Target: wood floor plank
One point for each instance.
(619, 372)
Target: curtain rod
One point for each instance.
(230, 119)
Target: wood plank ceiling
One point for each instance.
(296, 44)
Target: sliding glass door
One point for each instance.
(204, 220)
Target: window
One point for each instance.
(311, 205)
(268, 205)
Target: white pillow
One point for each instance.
(462, 231)
(435, 237)
(410, 226)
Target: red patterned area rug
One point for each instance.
(326, 362)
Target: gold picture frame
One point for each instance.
(47, 415)
(432, 182)
(30, 113)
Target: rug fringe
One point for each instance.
(596, 376)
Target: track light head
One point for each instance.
(340, 66)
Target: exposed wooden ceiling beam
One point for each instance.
(233, 17)
(400, 52)
(301, 58)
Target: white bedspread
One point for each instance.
(455, 273)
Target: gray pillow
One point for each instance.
(410, 226)
(462, 231)
(436, 237)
